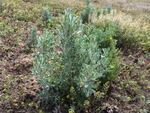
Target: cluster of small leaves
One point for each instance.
(73, 63)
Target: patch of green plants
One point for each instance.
(132, 37)
(22, 12)
(72, 64)
(21, 15)
(25, 15)
(127, 36)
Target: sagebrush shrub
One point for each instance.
(47, 66)
(72, 64)
(98, 56)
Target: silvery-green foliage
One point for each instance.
(98, 63)
(47, 66)
(89, 56)
(56, 71)
(70, 25)
(70, 30)
(73, 63)
(46, 59)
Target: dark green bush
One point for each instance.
(32, 41)
(85, 15)
(46, 16)
(72, 64)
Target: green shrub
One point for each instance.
(72, 65)
(100, 55)
(32, 41)
(46, 16)
(85, 15)
(47, 65)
